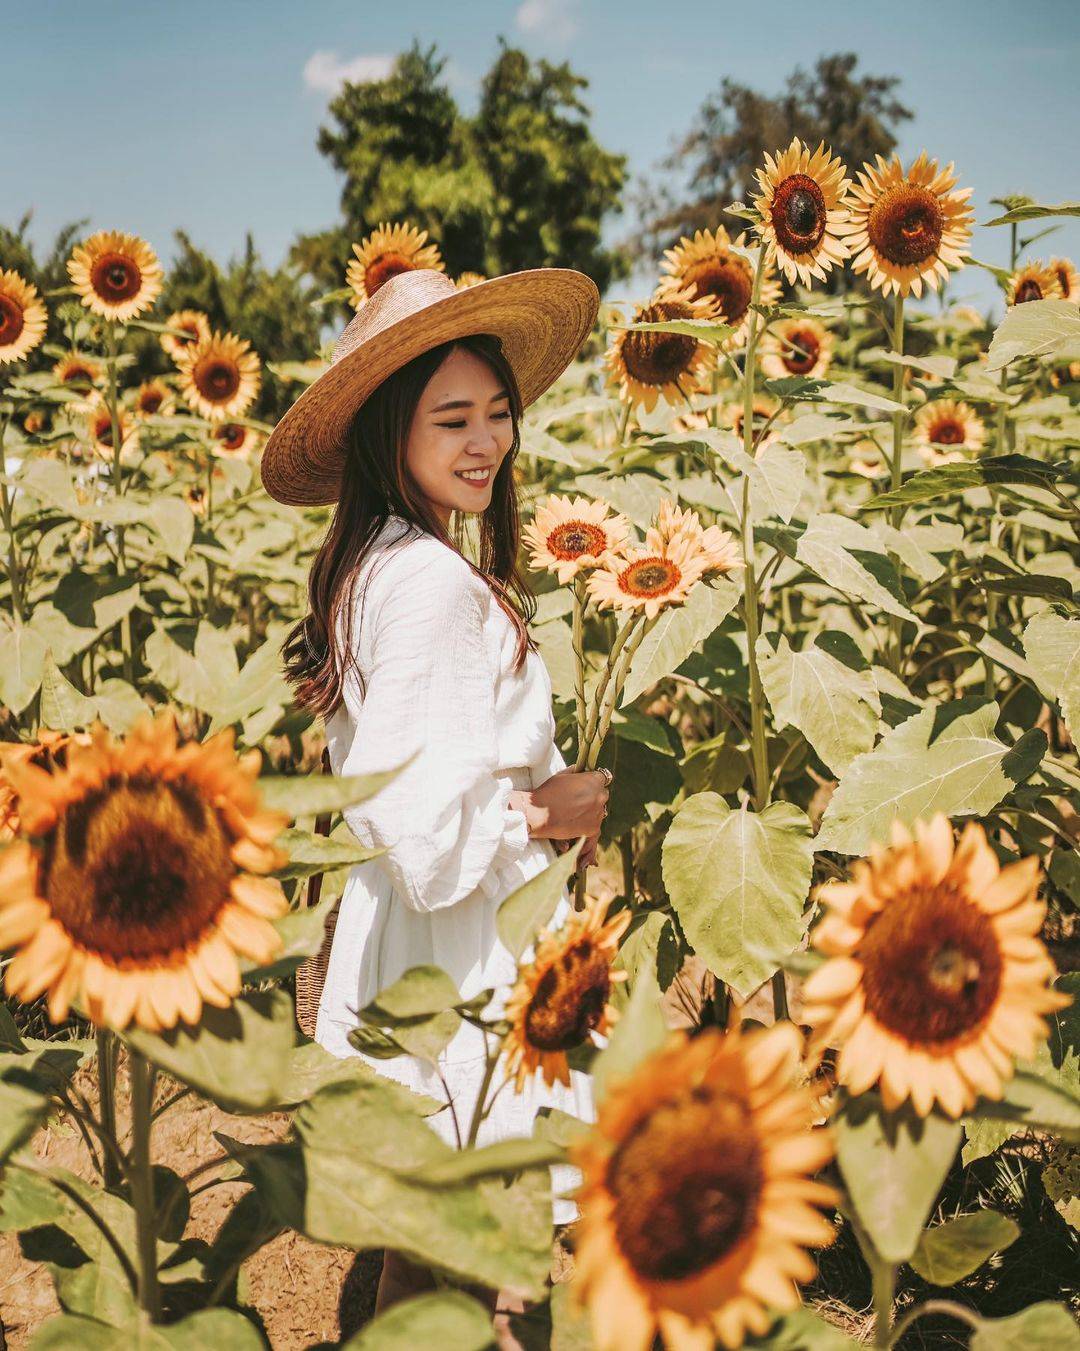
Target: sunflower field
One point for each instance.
(805, 538)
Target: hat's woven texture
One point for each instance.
(542, 315)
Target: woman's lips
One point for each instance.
(475, 482)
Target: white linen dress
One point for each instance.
(436, 652)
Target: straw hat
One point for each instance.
(542, 316)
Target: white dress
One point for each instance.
(436, 652)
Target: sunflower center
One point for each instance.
(150, 400)
(1065, 282)
(947, 432)
(231, 436)
(569, 1000)
(685, 1185)
(11, 320)
(799, 214)
(659, 358)
(115, 278)
(138, 867)
(217, 379)
(574, 538)
(802, 354)
(730, 281)
(1029, 289)
(78, 376)
(103, 429)
(905, 226)
(650, 577)
(931, 966)
(381, 269)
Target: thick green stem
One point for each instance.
(884, 1283)
(106, 1064)
(127, 640)
(478, 1109)
(601, 687)
(14, 562)
(613, 694)
(142, 1184)
(623, 424)
(896, 515)
(578, 643)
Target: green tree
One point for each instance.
(523, 184)
(853, 113)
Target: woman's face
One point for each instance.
(462, 424)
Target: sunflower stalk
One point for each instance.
(106, 1066)
(142, 1183)
(623, 422)
(478, 1110)
(14, 562)
(896, 515)
(578, 643)
(613, 693)
(118, 486)
(598, 694)
(884, 1277)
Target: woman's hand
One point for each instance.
(587, 857)
(571, 803)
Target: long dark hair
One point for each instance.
(376, 482)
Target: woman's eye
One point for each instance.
(461, 421)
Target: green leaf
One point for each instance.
(1033, 211)
(676, 632)
(1052, 644)
(841, 552)
(1041, 1327)
(705, 330)
(804, 1330)
(118, 704)
(950, 1251)
(21, 1112)
(319, 853)
(1038, 328)
(1032, 1099)
(421, 992)
(449, 1319)
(843, 393)
(776, 473)
(893, 1165)
(635, 495)
(909, 774)
(836, 709)
(260, 684)
(174, 521)
(222, 1329)
(313, 794)
(640, 1031)
(498, 1160)
(23, 664)
(238, 1057)
(738, 881)
(63, 708)
(531, 906)
(953, 478)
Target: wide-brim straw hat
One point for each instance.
(542, 315)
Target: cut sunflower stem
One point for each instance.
(613, 692)
(601, 686)
(142, 1183)
(578, 643)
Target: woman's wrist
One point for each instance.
(521, 799)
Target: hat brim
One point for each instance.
(542, 315)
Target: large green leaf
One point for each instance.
(834, 706)
(777, 474)
(852, 559)
(954, 478)
(1028, 210)
(1039, 328)
(63, 707)
(676, 632)
(893, 1165)
(448, 1319)
(1033, 1098)
(221, 1329)
(320, 853)
(738, 881)
(950, 1251)
(637, 496)
(23, 664)
(909, 774)
(1041, 1327)
(531, 906)
(21, 1112)
(640, 1031)
(312, 794)
(258, 685)
(1052, 644)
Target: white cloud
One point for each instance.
(327, 72)
(550, 18)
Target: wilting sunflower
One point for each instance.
(947, 430)
(567, 537)
(99, 427)
(116, 275)
(650, 578)
(803, 206)
(234, 440)
(219, 376)
(139, 877)
(388, 250)
(23, 317)
(720, 547)
(796, 347)
(908, 229)
(193, 326)
(1068, 278)
(708, 266)
(698, 1197)
(1034, 281)
(77, 372)
(936, 980)
(561, 997)
(466, 279)
(647, 366)
(153, 397)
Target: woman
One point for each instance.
(413, 655)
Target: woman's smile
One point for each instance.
(479, 478)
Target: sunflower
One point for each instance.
(219, 376)
(803, 207)
(567, 537)
(867, 459)
(77, 372)
(731, 416)
(153, 397)
(467, 279)
(709, 267)
(1034, 281)
(23, 317)
(646, 366)
(195, 497)
(34, 422)
(49, 743)
(690, 421)
(907, 230)
(388, 250)
(936, 979)
(651, 578)
(720, 547)
(697, 1199)
(234, 440)
(947, 430)
(796, 347)
(561, 997)
(139, 877)
(1068, 278)
(99, 427)
(192, 325)
(116, 275)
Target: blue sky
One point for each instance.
(203, 115)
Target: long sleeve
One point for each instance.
(434, 663)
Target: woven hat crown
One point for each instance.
(397, 297)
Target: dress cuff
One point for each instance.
(503, 876)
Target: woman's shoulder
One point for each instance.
(412, 566)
